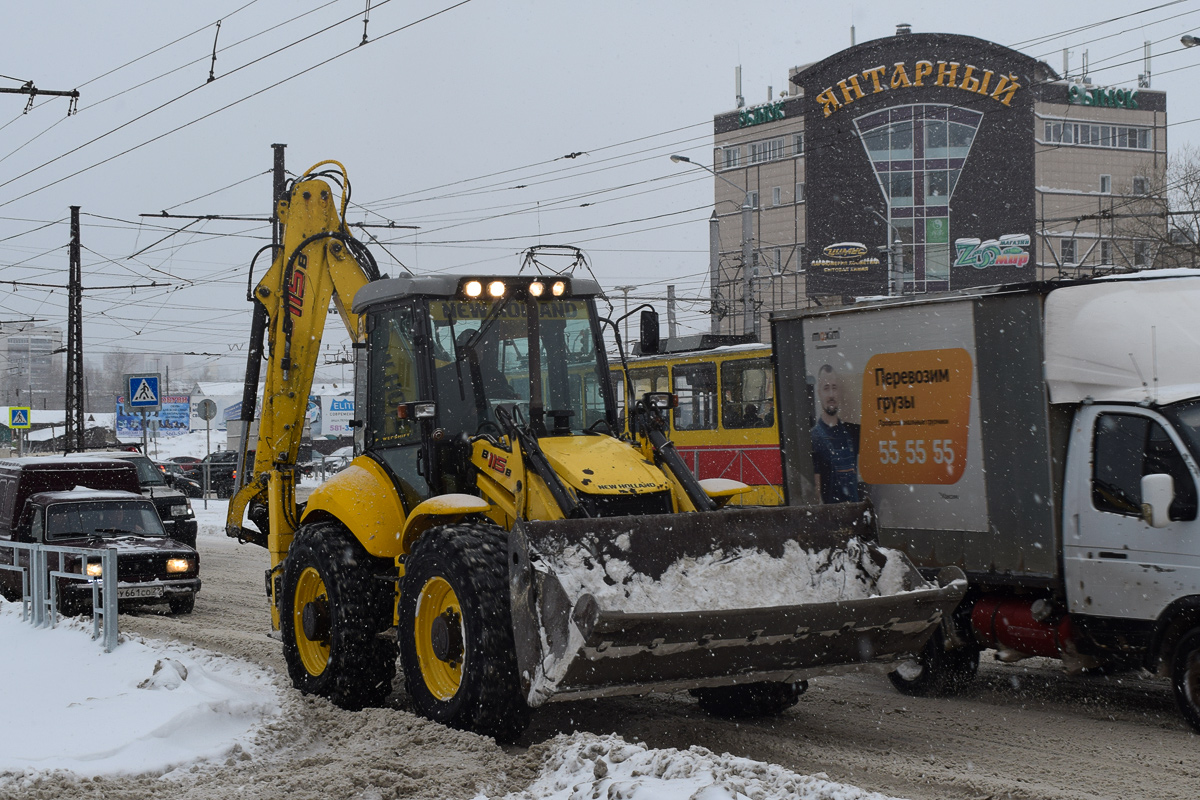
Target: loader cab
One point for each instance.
(470, 346)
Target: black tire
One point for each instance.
(936, 671)
(184, 604)
(750, 699)
(481, 690)
(344, 660)
(1185, 677)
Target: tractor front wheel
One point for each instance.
(455, 632)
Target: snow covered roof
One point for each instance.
(1129, 340)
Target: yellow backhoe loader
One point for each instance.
(525, 544)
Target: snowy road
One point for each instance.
(1021, 731)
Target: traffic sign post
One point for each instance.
(207, 410)
(19, 420)
(142, 394)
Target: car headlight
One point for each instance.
(180, 510)
(94, 570)
(178, 564)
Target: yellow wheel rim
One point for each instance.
(313, 654)
(438, 605)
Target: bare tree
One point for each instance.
(1160, 225)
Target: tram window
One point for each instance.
(652, 379)
(696, 387)
(748, 394)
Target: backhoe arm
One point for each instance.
(318, 262)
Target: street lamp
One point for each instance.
(749, 318)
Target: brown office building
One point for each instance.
(929, 162)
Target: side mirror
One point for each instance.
(1157, 493)
(649, 332)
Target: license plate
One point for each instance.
(127, 592)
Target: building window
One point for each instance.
(1093, 135)
(777, 267)
(1106, 252)
(798, 144)
(753, 197)
(1106, 184)
(1141, 185)
(777, 196)
(733, 157)
(800, 192)
(1066, 251)
(1141, 254)
(770, 150)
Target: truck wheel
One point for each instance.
(750, 699)
(936, 671)
(1185, 677)
(183, 605)
(455, 632)
(329, 615)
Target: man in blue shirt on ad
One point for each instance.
(834, 444)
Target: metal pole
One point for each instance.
(714, 270)
(671, 312)
(747, 256)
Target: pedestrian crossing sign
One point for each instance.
(18, 417)
(143, 392)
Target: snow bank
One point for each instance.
(146, 707)
(740, 578)
(585, 766)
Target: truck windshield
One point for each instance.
(1186, 418)
(104, 518)
(481, 360)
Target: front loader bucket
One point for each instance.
(627, 605)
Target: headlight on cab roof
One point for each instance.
(94, 570)
(493, 288)
(177, 564)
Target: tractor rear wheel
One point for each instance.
(455, 632)
(750, 699)
(330, 612)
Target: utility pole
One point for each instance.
(671, 312)
(73, 438)
(626, 290)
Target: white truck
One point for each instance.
(1042, 438)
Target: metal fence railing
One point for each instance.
(42, 566)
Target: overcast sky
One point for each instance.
(454, 118)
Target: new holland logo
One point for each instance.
(845, 251)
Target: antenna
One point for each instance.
(1154, 358)
(1144, 78)
(737, 71)
(1138, 371)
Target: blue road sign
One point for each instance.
(18, 417)
(143, 392)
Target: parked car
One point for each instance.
(172, 503)
(177, 477)
(189, 464)
(221, 467)
(92, 502)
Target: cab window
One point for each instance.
(1127, 447)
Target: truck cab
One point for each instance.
(1130, 550)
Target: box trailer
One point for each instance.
(1043, 438)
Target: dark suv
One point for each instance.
(172, 504)
(89, 501)
(222, 471)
